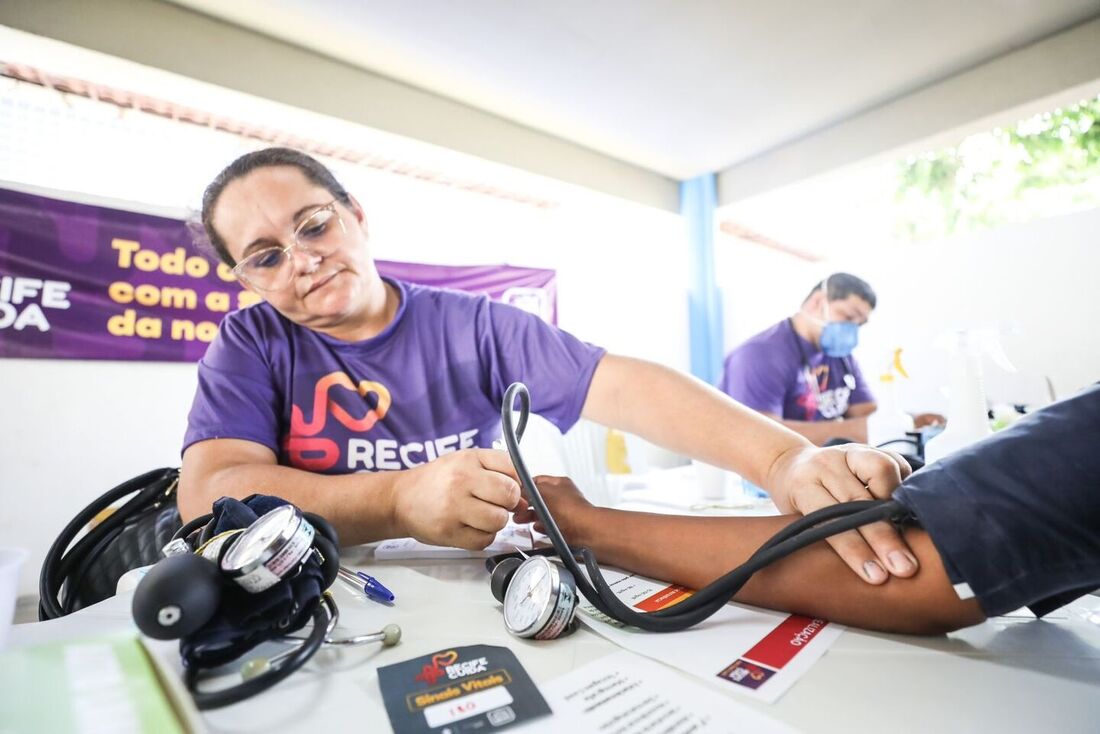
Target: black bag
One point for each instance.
(130, 537)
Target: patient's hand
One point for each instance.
(808, 479)
(566, 503)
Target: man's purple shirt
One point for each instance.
(768, 373)
(431, 383)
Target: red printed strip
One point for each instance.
(666, 597)
(784, 642)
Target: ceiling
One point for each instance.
(679, 88)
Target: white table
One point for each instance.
(1006, 675)
(1001, 676)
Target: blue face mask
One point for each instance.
(839, 338)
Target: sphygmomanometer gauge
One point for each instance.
(540, 599)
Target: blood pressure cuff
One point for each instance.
(1016, 517)
(244, 620)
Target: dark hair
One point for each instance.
(842, 285)
(249, 162)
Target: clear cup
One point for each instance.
(11, 559)
(710, 480)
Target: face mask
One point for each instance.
(839, 338)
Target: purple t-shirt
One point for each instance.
(431, 383)
(769, 373)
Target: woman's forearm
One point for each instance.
(461, 499)
(359, 506)
(686, 416)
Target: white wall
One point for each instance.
(1036, 282)
(69, 431)
(759, 286)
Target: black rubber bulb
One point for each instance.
(177, 597)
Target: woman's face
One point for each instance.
(328, 287)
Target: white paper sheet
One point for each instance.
(753, 652)
(513, 536)
(624, 693)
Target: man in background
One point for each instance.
(801, 372)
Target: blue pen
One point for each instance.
(372, 587)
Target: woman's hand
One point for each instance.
(806, 479)
(461, 499)
(567, 505)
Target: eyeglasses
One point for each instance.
(272, 269)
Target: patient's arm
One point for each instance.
(693, 551)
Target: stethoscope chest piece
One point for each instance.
(540, 597)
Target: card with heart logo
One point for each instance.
(462, 689)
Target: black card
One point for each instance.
(478, 688)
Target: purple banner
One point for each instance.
(90, 282)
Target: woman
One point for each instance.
(340, 371)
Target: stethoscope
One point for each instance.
(389, 636)
(540, 596)
(183, 592)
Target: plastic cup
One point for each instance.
(710, 481)
(11, 559)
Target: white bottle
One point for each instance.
(889, 422)
(967, 413)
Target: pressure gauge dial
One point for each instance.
(271, 549)
(540, 600)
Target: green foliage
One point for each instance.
(1046, 165)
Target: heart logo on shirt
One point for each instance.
(317, 454)
(375, 414)
(323, 404)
